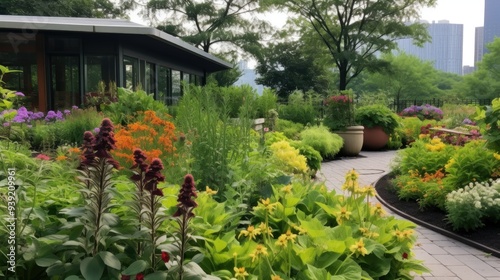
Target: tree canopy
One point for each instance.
(354, 31)
(205, 23)
(289, 66)
(65, 8)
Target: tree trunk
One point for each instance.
(342, 77)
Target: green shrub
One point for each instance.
(273, 137)
(410, 127)
(290, 129)
(313, 157)
(322, 140)
(76, 123)
(454, 115)
(129, 104)
(474, 162)
(377, 115)
(46, 137)
(266, 102)
(300, 108)
(469, 206)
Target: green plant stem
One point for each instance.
(153, 231)
(99, 203)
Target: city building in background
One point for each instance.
(467, 69)
(478, 45)
(248, 77)
(445, 49)
(491, 22)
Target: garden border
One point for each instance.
(444, 232)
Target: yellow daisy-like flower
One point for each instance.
(61, 158)
(449, 164)
(282, 242)
(359, 248)
(343, 215)
(301, 230)
(259, 250)
(290, 236)
(287, 189)
(423, 136)
(370, 191)
(378, 210)
(251, 232)
(497, 156)
(240, 272)
(276, 277)
(265, 229)
(267, 204)
(209, 191)
(403, 235)
(368, 234)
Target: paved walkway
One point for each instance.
(446, 258)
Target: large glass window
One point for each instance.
(130, 72)
(149, 78)
(64, 81)
(164, 85)
(97, 69)
(176, 87)
(18, 52)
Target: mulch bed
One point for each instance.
(486, 238)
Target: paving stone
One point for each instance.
(434, 249)
(455, 250)
(446, 243)
(421, 254)
(465, 272)
(447, 260)
(439, 270)
(441, 278)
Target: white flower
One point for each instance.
(477, 204)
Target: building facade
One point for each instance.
(62, 59)
(491, 22)
(445, 50)
(478, 45)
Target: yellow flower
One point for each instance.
(267, 204)
(301, 230)
(251, 232)
(497, 156)
(61, 158)
(449, 164)
(290, 236)
(369, 190)
(436, 140)
(359, 248)
(259, 250)
(282, 242)
(403, 235)
(276, 277)
(423, 136)
(378, 210)
(287, 189)
(240, 272)
(343, 215)
(209, 191)
(368, 234)
(265, 229)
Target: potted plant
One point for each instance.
(379, 123)
(340, 119)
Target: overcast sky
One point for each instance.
(470, 13)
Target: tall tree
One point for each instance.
(485, 81)
(289, 66)
(65, 8)
(354, 31)
(205, 23)
(405, 77)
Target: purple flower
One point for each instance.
(37, 116)
(19, 94)
(74, 107)
(67, 112)
(6, 124)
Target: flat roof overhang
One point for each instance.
(29, 24)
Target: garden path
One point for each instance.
(445, 257)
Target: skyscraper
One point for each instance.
(479, 45)
(491, 21)
(445, 49)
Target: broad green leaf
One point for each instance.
(72, 277)
(308, 255)
(136, 267)
(46, 261)
(92, 268)
(326, 259)
(219, 245)
(110, 260)
(159, 275)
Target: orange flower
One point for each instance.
(61, 158)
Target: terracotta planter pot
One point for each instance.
(353, 140)
(374, 138)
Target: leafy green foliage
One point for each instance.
(313, 157)
(301, 108)
(472, 163)
(490, 117)
(7, 96)
(290, 129)
(130, 104)
(322, 140)
(377, 115)
(289, 66)
(70, 131)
